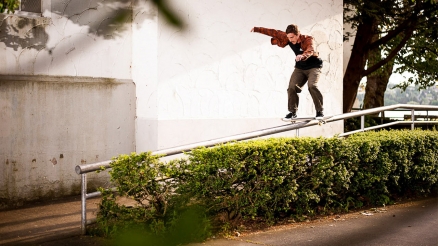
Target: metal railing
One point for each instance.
(86, 168)
(372, 111)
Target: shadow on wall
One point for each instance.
(107, 19)
(20, 32)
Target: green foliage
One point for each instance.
(188, 227)
(407, 32)
(158, 213)
(145, 179)
(9, 6)
(268, 180)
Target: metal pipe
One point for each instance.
(380, 109)
(385, 125)
(180, 149)
(349, 133)
(98, 193)
(177, 150)
(412, 118)
(93, 194)
(84, 203)
(239, 137)
(91, 167)
(382, 126)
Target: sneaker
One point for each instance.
(319, 115)
(290, 116)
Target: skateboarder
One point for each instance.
(307, 66)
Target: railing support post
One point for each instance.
(362, 122)
(412, 118)
(84, 203)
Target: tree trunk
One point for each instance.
(357, 62)
(376, 87)
(378, 80)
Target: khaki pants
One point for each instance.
(298, 79)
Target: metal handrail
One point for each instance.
(86, 168)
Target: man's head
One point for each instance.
(293, 33)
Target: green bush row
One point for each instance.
(271, 179)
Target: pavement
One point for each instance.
(407, 223)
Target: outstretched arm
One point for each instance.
(278, 37)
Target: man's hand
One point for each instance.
(299, 57)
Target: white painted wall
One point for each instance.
(216, 78)
(348, 44)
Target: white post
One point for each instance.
(412, 118)
(84, 203)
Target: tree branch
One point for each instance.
(407, 23)
(391, 55)
(393, 33)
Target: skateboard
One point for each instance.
(321, 120)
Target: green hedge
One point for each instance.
(273, 179)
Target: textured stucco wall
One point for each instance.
(216, 78)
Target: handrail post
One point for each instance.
(412, 118)
(84, 203)
(362, 122)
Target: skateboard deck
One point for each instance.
(321, 120)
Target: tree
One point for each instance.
(420, 57)
(377, 81)
(383, 29)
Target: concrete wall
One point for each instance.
(66, 96)
(215, 78)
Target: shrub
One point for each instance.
(159, 213)
(267, 180)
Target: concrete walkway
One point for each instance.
(407, 223)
